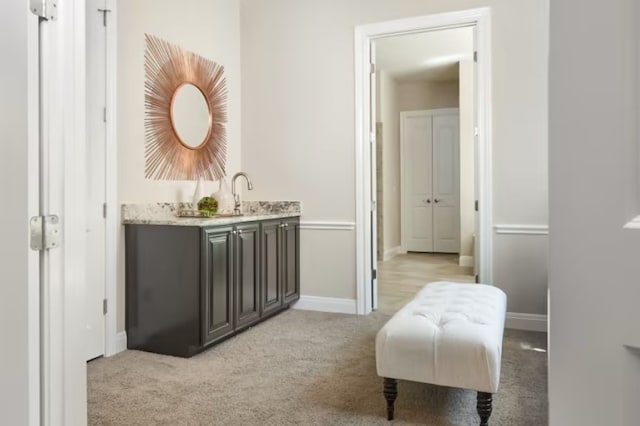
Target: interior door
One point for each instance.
(374, 187)
(418, 210)
(20, 194)
(446, 184)
(95, 267)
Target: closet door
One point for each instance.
(418, 206)
(446, 184)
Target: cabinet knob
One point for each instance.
(234, 232)
(436, 200)
(239, 231)
(286, 225)
(428, 201)
(282, 225)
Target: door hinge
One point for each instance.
(104, 15)
(475, 204)
(374, 274)
(44, 9)
(372, 68)
(104, 210)
(475, 131)
(372, 138)
(374, 205)
(105, 306)
(45, 232)
(477, 279)
(475, 56)
(104, 114)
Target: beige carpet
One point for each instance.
(303, 368)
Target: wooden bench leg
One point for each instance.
(484, 407)
(390, 394)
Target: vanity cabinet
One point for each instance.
(188, 287)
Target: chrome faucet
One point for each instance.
(236, 196)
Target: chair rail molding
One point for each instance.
(633, 223)
(522, 229)
(328, 225)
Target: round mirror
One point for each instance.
(190, 115)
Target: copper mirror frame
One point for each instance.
(167, 157)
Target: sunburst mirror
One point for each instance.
(185, 114)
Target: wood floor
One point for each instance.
(400, 278)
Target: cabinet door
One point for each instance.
(247, 275)
(271, 299)
(291, 260)
(217, 284)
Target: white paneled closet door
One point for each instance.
(418, 211)
(431, 180)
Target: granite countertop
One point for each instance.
(165, 213)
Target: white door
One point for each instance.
(446, 184)
(431, 181)
(374, 187)
(95, 178)
(416, 135)
(20, 194)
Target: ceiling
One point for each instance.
(425, 56)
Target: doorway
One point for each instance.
(476, 21)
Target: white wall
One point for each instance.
(298, 112)
(14, 193)
(594, 187)
(467, 163)
(210, 28)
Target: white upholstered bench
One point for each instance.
(450, 334)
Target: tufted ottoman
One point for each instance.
(450, 334)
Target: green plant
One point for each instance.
(208, 206)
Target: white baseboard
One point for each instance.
(391, 253)
(466, 261)
(326, 304)
(121, 342)
(530, 322)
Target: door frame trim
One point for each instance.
(364, 34)
(403, 188)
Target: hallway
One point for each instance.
(400, 278)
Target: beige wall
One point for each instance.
(390, 118)
(298, 117)
(210, 28)
(417, 95)
(467, 210)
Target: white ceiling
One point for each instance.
(425, 56)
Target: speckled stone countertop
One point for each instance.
(165, 213)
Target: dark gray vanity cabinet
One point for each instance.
(280, 263)
(188, 287)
